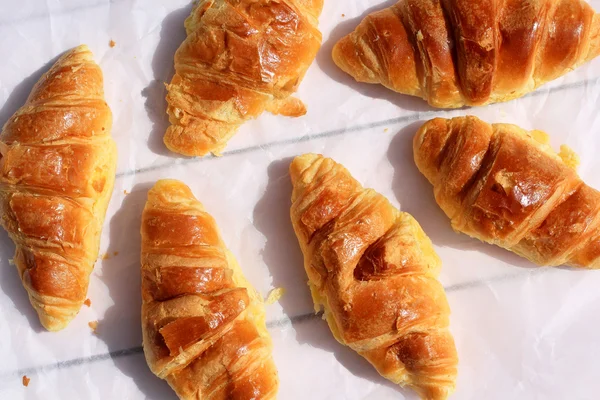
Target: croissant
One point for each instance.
(505, 186)
(203, 324)
(454, 53)
(57, 174)
(374, 271)
(240, 58)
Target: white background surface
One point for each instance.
(521, 332)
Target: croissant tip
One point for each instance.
(339, 56)
(54, 324)
(300, 164)
(82, 49)
(170, 187)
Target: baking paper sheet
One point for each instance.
(521, 332)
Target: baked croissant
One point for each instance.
(505, 186)
(57, 174)
(454, 53)
(374, 271)
(203, 324)
(240, 58)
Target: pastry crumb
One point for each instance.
(386, 130)
(105, 256)
(112, 43)
(125, 192)
(420, 36)
(26, 380)
(116, 253)
(275, 295)
(93, 326)
(540, 137)
(88, 302)
(343, 15)
(569, 157)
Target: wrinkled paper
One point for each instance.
(521, 332)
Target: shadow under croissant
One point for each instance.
(325, 62)
(11, 285)
(172, 34)
(415, 195)
(285, 261)
(121, 275)
(20, 93)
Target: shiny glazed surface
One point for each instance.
(505, 186)
(56, 177)
(454, 53)
(240, 58)
(203, 325)
(374, 271)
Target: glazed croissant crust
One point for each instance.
(505, 186)
(57, 174)
(240, 58)
(203, 324)
(454, 53)
(374, 271)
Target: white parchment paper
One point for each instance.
(521, 332)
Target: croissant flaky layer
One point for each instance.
(203, 324)
(240, 58)
(374, 271)
(454, 53)
(56, 177)
(505, 186)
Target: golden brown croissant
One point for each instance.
(240, 58)
(505, 186)
(374, 271)
(57, 174)
(470, 52)
(203, 324)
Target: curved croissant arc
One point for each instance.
(240, 58)
(374, 271)
(203, 324)
(454, 53)
(56, 178)
(505, 186)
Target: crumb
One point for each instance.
(420, 36)
(93, 326)
(116, 253)
(125, 192)
(386, 130)
(343, 15)
(112, 43)
(88, 302)
(26, 380)
(105, 256)
(569, 157)
(540, 137)
(275, 295)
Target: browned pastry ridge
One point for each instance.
(57, 174)
(203, 324)
(454, 53)
(374, 271)
(505, 186)
(240, 58)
